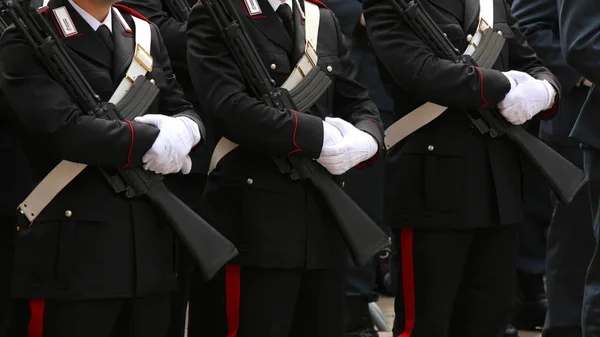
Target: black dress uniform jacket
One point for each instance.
(89, 242)
(174, 36)
(273, 221)
(446, 174)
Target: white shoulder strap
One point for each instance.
(141, 62)
(312, 17)
(309, 60)
(66, 171)
(486, 20)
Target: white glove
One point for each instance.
(517, 77)
(170, 151)
(356, 147)
(331, 136)
(525, 99)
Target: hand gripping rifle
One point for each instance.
(179, 9)
(364, 238)
(564, 178)
(210, 249)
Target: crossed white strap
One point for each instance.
(427, 112)
(66, 171)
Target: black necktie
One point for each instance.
(106, 36)
(285, 13)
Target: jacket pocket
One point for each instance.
(431, 176)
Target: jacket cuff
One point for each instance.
(550, 113)
(372, 128)
(142, 138)
(493, 87)
(376, 131)
(307, 135)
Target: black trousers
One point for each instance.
(456, 283)
(538, 214)
(252, 302)
(7, 235)
(569, 251)
(591, 296)
(137, 317)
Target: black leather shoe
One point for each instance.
(511, 331)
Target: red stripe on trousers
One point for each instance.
(36, 323)
(232, 298)
(408, 280)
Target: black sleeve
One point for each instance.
(243, 119)
(351, 99)
(46, 110)
(347, 12)
(523, 58)
(172, 98)
(172, 31)
(539, 22)
(580, 36)
(415, 67)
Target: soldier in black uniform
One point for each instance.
(93, 259)
(579, 36)
(15, 182)
(288, 279)
(453, 196)
(570, 237)
(173, 31)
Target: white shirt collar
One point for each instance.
(275, 4)
(92, 21)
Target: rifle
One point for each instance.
(364, 238)
(179, 9)
(209, 248)
(564, 178)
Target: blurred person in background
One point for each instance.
(570, 242)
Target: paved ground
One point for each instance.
(387, 305)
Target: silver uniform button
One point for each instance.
(273, 66)
(430, 148)
(329, 69)
(469, 38)
(68, 213)
(250, 181)
(500, 33)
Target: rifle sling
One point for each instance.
(66, 171)
(306, 82)
(488, 50)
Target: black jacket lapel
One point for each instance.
(124, 48)
(299, 31)
(270, 25)
(84, 40)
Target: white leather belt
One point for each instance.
(306, 63)
(66, 171)
(427, 112)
